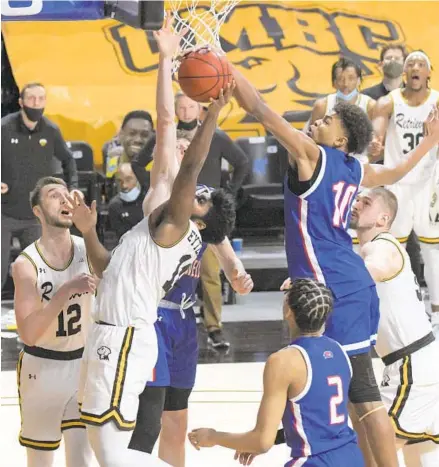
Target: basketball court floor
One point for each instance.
(227, 390)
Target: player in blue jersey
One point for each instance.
(306, 387)
(166, 398)
(320, 187)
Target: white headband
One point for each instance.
(421, 54)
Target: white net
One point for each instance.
(204, 20)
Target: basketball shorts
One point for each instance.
(410, 393)
(177, 339)
(354, 321)
(117, 363)
(348, 455)
(48, 391)
(414, 203)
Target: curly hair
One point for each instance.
(311, 303)
(220, 219)
(357, 126)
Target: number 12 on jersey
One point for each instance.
(344, 194)
(73, 316)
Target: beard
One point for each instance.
(57, 221)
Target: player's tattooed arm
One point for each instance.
(302, 150)
(172, 219)
(383, 259)
(233, 268)
(377, 175)
(34, 315)
(380, 121)
(281, 369)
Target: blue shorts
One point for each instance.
(178, 349)
(348, 455)
(354, 321)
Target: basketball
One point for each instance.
(203, 73)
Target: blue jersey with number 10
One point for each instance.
(316, 222)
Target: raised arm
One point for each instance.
(301, 148)
(383, 259)
(380, 116)
(377, 175)
(165, 167)
(34, 316)
(233, 268)
(318, 110)
(179, 209)
(278, 375)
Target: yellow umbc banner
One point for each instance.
(97, 71)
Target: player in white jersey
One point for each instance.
(121, 351)
(410, 386)
(54, 293)
(399, 118)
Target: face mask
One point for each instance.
(187, 125)
(392, 69)
(131, 195)
(34, 115)
(347, 97)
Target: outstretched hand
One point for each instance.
(168, 41)
(431, 125)
(85, 218)
(244, 458)
(223, 99)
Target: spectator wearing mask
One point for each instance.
(125, 209)
(29, 142)
(392, 59)
(189, 114)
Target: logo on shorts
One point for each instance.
(385, 382)
(103, 353)
(327, 354)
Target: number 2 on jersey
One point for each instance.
(335, 401)
(342, 203)
(73, 316)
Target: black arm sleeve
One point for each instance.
(63, 154)
(280, 437)
(236, 157)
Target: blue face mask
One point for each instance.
(131, 195)
(347, 97)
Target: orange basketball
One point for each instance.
(203, 73)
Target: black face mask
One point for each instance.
(34, 115)
(188, 126)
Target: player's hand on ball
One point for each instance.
(244, 458)
(168, 41)
(223, 99)
(83, 283)
(85, 218)
(286, 285)
(241, 283)
(202, 438)
(431, 125)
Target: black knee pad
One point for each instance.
(363, 386)
(149, 419)
(177, 399)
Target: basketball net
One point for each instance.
(204, 20)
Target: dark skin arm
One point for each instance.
(175, 215)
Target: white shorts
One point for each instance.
(117, 363)
(410, 393)
(48, 392)
(414, 212)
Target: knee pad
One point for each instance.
(430, 255)
(149, 419)
(177, 399)
(363, 386)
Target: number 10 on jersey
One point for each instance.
(344, 194)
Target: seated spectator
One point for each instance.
(136, 132)
(125, 209)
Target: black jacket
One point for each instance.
(123, 215)
(26, 157)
